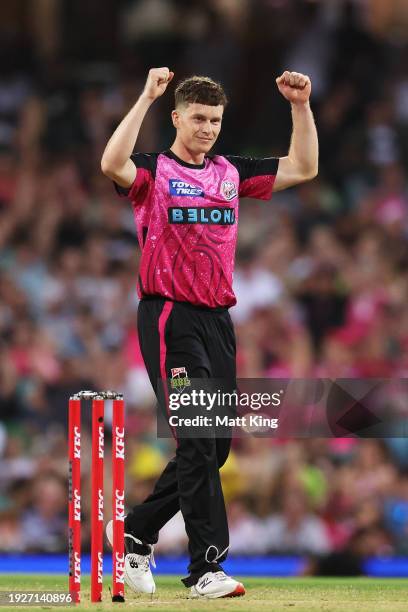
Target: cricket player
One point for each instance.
(185, 202)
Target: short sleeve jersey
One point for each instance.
(186, 218)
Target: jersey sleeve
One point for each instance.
(256, 175)
(146, 173)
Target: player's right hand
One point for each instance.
(157, 81)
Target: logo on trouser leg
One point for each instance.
(179, 379)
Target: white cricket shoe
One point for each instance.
(217, 584)
(138, 575)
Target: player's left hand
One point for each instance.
(295, 87)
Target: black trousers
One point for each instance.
(179, 335)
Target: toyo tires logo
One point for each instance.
(181, 188)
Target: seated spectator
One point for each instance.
(294, 530)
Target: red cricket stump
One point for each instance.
(74, 502)
(118, 500)
(97, 498)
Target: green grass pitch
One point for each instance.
(267, 594)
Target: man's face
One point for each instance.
(198, 125)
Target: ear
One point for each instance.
(175, 117)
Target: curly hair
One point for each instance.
(200, 89)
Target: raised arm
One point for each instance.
(116, 162)
(301, 163)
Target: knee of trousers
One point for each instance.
(197, 451)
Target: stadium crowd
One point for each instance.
(321, 277)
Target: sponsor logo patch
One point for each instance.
(213, 215)
(229, 190)
(181, 188)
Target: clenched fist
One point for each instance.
(295, 87)
(156, 83)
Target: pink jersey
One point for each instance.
(186, 218)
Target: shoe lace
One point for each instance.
(220, 575)
(142, 560)
(139, 561)
(217, 556)
(151, 556)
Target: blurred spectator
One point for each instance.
(294, 530)
(367, 542)
(43, 522)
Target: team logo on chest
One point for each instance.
(229, 190)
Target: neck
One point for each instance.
(190, 157)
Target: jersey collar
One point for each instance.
(172, 155)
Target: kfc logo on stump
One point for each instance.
(77, 443)
(100, 441)
(120, 568)
(119, 438)
(77, 505)
(119, 505)
(100, 505)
